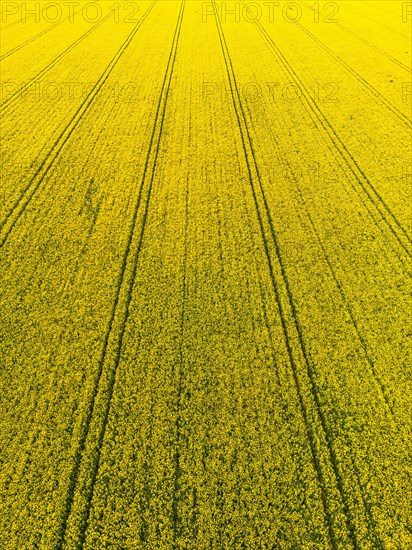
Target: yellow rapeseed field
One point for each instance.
(205, 230)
